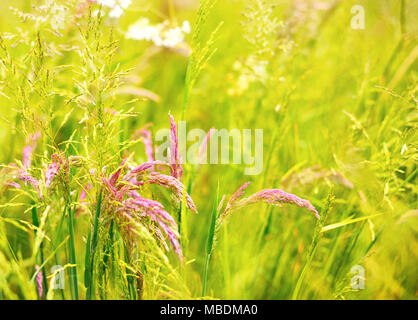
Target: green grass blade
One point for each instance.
(314, 244)
(344, 223)
(210, 242)
(72, 255)
(90, 251)
(35, 222)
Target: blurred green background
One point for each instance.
(338, 107)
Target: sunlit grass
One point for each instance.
(81, 102)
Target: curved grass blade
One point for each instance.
(35, 222)
(91, 247)
(209, 243)
(72, 254)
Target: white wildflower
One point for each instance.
(107, 3)
(117, 7)
(173, 37)
(160, 34)
(186, 27)
(141, 30)
(125, 3)
(116, 12)
(58, 17)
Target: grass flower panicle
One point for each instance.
(174, 185)
(53, 169)
(140, 208)
(135, 175)
(176, 167)
(13, 172)
(275, 197)
(203, 150)
(234, 198)
(162, 34)
(29, 149)
(123, 199)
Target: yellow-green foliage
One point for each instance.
(338, 106)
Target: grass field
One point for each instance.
(97, 204)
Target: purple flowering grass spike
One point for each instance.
(238, 194)
(115, 176)
(152, 206)
(52, 169)
(126, 203)
(27, 156)
(278, 197)
(145, 134)
(138, 171)
(83, 194)
(22, 175)
(111, 188)
(29, 148)
(175, 159)
(172, 237)
(145, 166)
(155, 211)
(275, 197)
(27, 178)
(39, 279)
(83, 199)
(174, 185)
(204, 146)
(160, 237)
(13, 184)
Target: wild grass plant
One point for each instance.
(89, 211)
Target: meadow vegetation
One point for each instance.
(86, 84)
